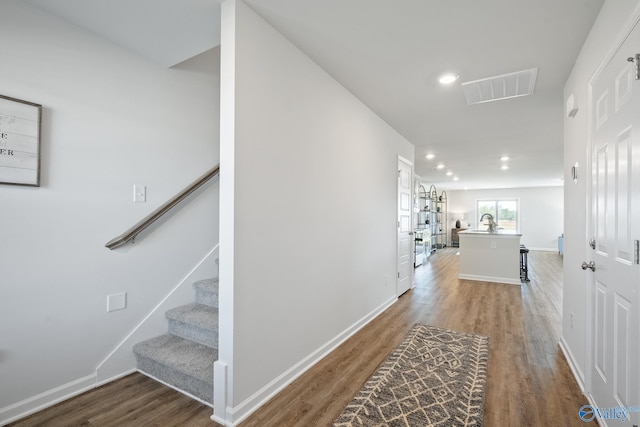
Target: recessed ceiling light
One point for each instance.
(455, 178)
(430, 156)
(504, 158)
(440, 166)
(504, 167)
(449, 173)
(447, 79)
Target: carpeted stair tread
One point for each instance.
(184, 357)
(195, 314)
(197, 322)
(182, 363)
(207, 291)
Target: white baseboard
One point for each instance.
(506, 280)
(239, 413)
(115, 377)
(542, 249)
(575, 369)
(48, 398)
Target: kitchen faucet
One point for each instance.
(492, 223)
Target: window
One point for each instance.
(504, 212)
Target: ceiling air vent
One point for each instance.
(505, 86)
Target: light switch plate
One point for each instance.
(140, 193)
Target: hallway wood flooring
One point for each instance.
(529, 381)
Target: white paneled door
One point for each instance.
(405, 234)
(614, 226)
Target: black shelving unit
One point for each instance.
(436, 218)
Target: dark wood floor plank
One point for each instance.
(135, 400)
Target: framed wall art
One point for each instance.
(19, 142)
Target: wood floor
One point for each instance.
(529, 381)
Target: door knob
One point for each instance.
(591, 265)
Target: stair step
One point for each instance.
(196, 322)
(207, 292)
(182, 363)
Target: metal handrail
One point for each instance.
(132, 232)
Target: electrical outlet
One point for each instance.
(493, 245)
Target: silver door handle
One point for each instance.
(591, 265)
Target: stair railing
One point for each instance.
(130, 234)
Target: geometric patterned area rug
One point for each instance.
(435, 377)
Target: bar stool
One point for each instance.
(524, 263)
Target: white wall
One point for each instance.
(111, 119)
(541, 212)
(314, 173)
(612, 20)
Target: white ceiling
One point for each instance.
(165, 31)
(389, 53)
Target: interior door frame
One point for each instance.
(411, 230)
(589, 280)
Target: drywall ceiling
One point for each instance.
(165, 31)
(389, 54)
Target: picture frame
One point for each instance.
(20, 127)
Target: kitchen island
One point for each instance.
(490, 256)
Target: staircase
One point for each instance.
(184, 357)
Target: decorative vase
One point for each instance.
(457, 223)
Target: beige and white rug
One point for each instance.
(435, 377)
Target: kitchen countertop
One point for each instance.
(495, 233)
(490, 257)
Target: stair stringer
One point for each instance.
(121, 361)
